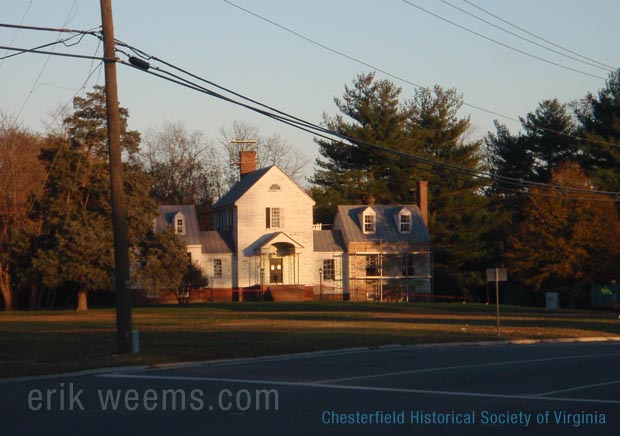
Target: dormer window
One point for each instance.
(179, 224)
(404, 222)
(369, 221)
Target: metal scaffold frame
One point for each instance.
(388, 259)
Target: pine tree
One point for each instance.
(600, 119)
(360, 174)
(426, 126)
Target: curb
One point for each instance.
(85, 372)
(305, 355)
(516, 342)
(372, 348)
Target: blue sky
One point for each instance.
(239, 51)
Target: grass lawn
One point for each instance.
(44, 342)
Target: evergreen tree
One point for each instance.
(600, 118)
(359, 174)
(528, 156)
(427, 126)
(548, 137)
(460, 220)
(75, 248)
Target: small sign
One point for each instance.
(502, 274)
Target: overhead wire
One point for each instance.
(359, 61)
(59, 113)
(330, 134)
(46, 29)
(60, 41)
(497, 17)
(488, 38)
(17, 29)
(503, 29)
(409, 82)
(53, 53)
(68, 19)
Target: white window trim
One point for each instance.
(218, 272)
(179, 225)
(271, 212)
(400, 222)
(374, 223)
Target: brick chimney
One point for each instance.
(247, 161)
(422, 199)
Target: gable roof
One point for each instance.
(166, 217)
(386, 230)
(248, 181)
(240, 188)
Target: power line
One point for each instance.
(401, 79)
(523, 52)
(536, 36)
(17, 30)
(49, 126)
(503, 29)
(47, 29)
(359, 61)
(52, 53)
(60, 41)
(67, 21)
(313, 128)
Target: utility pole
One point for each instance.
(119, 211)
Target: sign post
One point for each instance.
(497, 275)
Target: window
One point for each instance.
(405, 223)
(274, 187)
(408, 268)
(180, 226)
(217, 268)
(372, 265)
(369, 223)
(274, 217)
(329, 269)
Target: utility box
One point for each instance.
(135, 341)
(552, 300)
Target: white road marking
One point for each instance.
(579, 388)
(360, 388)
(476, 365)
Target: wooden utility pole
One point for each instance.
(119, 211)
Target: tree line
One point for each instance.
(56, 236)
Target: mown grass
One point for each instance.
(57, 341)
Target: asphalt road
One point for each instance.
(550, 389)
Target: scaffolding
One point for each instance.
(387, 271)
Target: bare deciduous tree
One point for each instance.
(271, 150)
(21, 175)
(185, 168)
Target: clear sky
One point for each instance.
(226, 45)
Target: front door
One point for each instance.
(275, 270)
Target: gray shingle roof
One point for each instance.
(328, 240)
(240, 188)
(166, 215)
(386, 225)
(216, 242)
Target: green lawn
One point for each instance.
(57, 341)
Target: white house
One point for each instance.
(265, 244)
